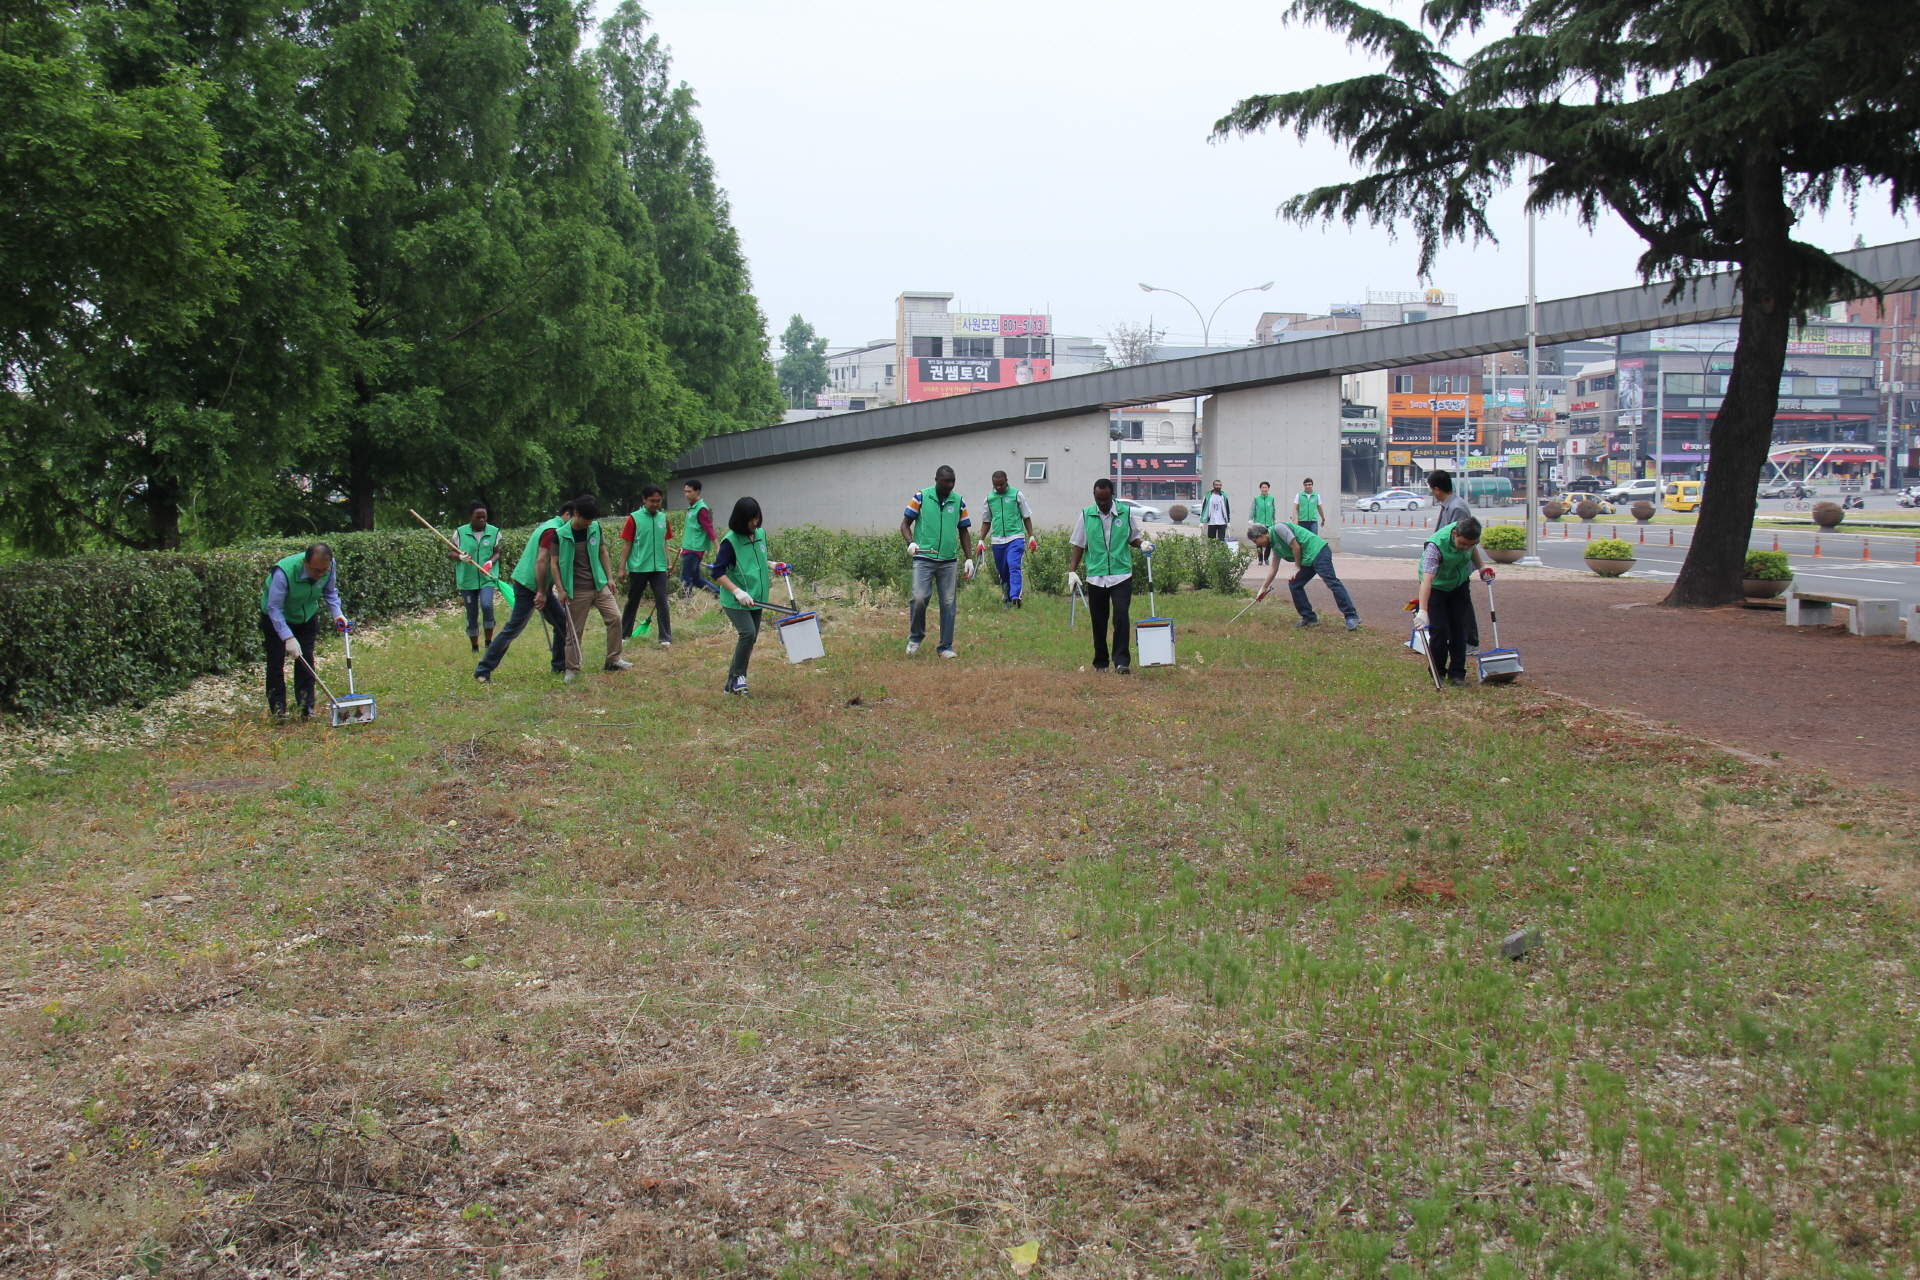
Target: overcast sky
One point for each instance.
(1049, 157)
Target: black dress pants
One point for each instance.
(277, 659)
(637, 586)
(1449, 625)
(1116, 601)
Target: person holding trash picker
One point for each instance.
(1009, 531)
(1445, 603)
(936, 526)
(583, 574)
(744, 576)
(1314, 557)
(529, 578)
(646, 535)
(476, 542)
(1104, 538)
(290, 603)
(696, 539)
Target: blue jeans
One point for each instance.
(1311, 526)
(522, 614)
(1007, 558)
(479, 605)
(927, 574)
(691, 575)
(1323, 566)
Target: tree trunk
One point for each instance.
(360, 485)
(1742, 434)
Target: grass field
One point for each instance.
(924, 968)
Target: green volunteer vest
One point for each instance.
(1309, 504)
(692, 536)
(1311, 544)
(523, 572)
(1108, 555)
(1003, 513)
(937, 531)
(466, 577)
(749, 570)
(569, 542)
(1263, 509)
(303, 593)
(1456, 566)
(649, 554)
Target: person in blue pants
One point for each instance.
(1315, 559)
(1009, 531)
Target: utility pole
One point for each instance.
(1533, 404)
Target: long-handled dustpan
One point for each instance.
(355, 708)
(1153, 637)
(799, 630)
(1497, 665)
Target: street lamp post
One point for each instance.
(1206, 344)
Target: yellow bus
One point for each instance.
(1683, 495)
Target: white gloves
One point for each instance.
(1073, 581)
(913, 549)
(966, 567)
(1420, 617)
(744, 596)
(1146, 548)
(293, 647)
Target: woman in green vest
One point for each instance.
(290, 622)
(646, 535)
(1310, 551)
(1447, 563)
(477, 541)
(1263, 513)
(744, 576)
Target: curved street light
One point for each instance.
(1206, 322)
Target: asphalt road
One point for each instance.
(1890, 574)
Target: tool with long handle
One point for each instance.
(1243, 613)
(1497, 665)
(454, 547)
(1153, 642)
(1073, 603)
(1433, 665)
(355, 708)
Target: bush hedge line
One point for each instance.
(94, 630)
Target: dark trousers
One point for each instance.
(637, 586)
(304, 632)
(556, 615)
(1449, 622)
(1218, 532)
(691, 575)
(1322, 566)
(1117, 600)
(746, 625)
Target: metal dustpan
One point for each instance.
(1497, 665)
(1153, 637)
(355, 708)
(799, 632)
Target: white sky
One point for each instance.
(1050, 156)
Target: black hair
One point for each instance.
(692, 484)
(745, 512)
(999, 475)
(1467, 527)
(1102, 483)
(318, 548)
(648, 490)
(943, 471)
(1441, 480)
(1308, 480)
(1266, 484)
(567, 507)
(587, 507)
(478, 506)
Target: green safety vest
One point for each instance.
(649, 554)
(937, 531)
(303, 593)
(749, 570)
(1456, 566)
(569, 543)
(1108, 554)
(1003, 513)
(1311, 544)
(1263, 509)
(692, 536)
(1307, 502)
(523, 572)
(466, 577)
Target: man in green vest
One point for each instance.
(936, 526)
(1104, 538)
(582, 574)
(290, 620)
(646, 535)
(1447, 564)
(1314, 557)
(1263, 513)
(528, 576)
(696, 539)
(1306, 507)
(1009, 531)
(477, 540)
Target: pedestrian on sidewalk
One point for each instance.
(1306, 507)
(1447, 564)
(477, 541)
(1009, 531)
(1216, 513)
(646, 535)
(696, 539)
(1314, 557)
(936, 526)
(1263, 513)
(583, 572)
(1104, 537)
(530, 576)
(744, 575)
(290, 622)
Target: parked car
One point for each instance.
(1634, 490)
(1683, 495)
(1392, 499)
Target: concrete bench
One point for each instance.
(1864, 617)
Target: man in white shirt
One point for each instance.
(1104, 538)
(1216, 512)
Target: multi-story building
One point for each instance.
(1897, 318)
(860, 377)
(1156, 453)
(944, 353)
(1380, 308)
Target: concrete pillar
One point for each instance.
(1281, 434)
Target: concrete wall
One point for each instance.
(868, 488)
(1282, 434)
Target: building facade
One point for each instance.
(939, 352)
(861, 377)
(1156, 453)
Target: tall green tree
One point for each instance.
(803, 366)
(1708, 126)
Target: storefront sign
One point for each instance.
(1399, 457)
(1159, 466)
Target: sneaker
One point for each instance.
(739, 687)
(483, 677)
(1099, 670)
(913, 647)
(1304, 623)
(948, 653)
(1458, 682)
(666, 644)
(619, 664)
(1353, 624)
(566, 677)
(1123, 669)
